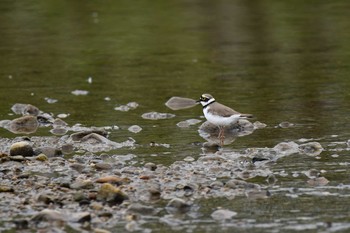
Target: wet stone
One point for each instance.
(135, 129)
(25, 124)
(177, 205)
(127, 107)
(223, 214)
(21, 148)
(286, 124)
(58, 131)
(113, 180)
(80, 135)
(177, 103)
(137, 208)
(319, 181)
(48, 215)
(311, 148)
(25, 109)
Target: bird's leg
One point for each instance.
(221, 135)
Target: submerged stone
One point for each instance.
(127, 107)
(135, 129)
(177, 103)
(311, 148)
(223, 214)
(157, 116)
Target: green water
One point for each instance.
(279, 60)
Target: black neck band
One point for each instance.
(208, 104)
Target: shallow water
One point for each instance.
(281, 61)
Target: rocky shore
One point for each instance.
(70, 180)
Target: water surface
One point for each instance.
(281, 61)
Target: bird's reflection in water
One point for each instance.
(210, 133)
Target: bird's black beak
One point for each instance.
(198, 101)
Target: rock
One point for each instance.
(59, 131)
(78, 167)
(48, 215)
(80, 92)
(21, 148)
(50, 152)
(45, 198)
(113, 180)
(80, 217)
(59, 122)
(311, 148)
(286, 148)
(259, 125)
(127, 107)
(103, 166)
(177, 103)
(319, 181)
(111, 194)
(137, 208)
(80, 135)
(157, 116)
(285, 124)
(41, 157)
(82, 184)
(6, 189)
(99, 230)
(25, 109)
(177, 205)
(222, 215)
(25, 124)
(150, 166)
(188, 123)
(135, 129)
(18, 158)
(67, 148)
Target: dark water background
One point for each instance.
(279, 60)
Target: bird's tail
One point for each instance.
(247, 116)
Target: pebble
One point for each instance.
(41, 157)
(135, 129)
(223, 214)
(137, 208)
(21, 148)
(6, 189)
(285, 124)
(103, 166)
(82, 184)
(111, 194)
(177, 205)
(50, 152)
(112, 180)
(48, 215)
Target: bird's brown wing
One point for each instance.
(223, 110)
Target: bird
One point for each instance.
(219, 114)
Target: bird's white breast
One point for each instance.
(220, 120)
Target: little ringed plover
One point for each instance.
(219, 114)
